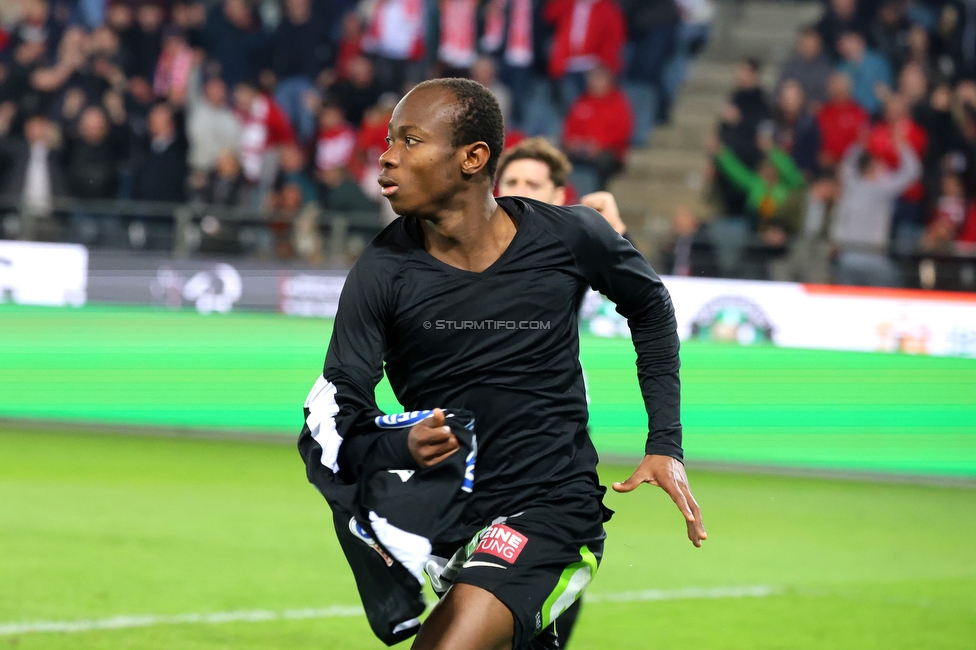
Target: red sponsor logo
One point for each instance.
(502, 542)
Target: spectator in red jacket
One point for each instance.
(264, 129)
(908, 222)
(350, 44)
(336, 139)
(881, 141)
(597, 131)
(949, 213)
(967, 235)
(841, 120)
(588, 33)
(370, 144)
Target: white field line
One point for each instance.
(758, 591)
(345, 611)
(148, 620)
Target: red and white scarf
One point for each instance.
(263, 127)
(580, 23)
(396, 30)
(458, 26)
(518, 49)
(173, 71)
(578, 60)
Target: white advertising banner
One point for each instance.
(734, 311)
(810, 316)
(43, 274)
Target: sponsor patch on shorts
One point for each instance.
(502, 542)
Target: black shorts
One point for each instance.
(537, 562)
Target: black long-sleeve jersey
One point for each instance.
(504, 344)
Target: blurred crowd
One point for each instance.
(281, 106)
(862, 154)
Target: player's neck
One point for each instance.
(471, 238)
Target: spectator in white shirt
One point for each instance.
(33, 176)
(861, 226)
(212, 127)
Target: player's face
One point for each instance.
(531, 179)
(422, 168)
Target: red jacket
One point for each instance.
(881, 144)
(370, 145)
(335, 147)
(348, 50)
(605, 35)
(607, 121)
(968, 233)
(840, 126)
(263, 126)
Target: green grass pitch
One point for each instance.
(97, 526)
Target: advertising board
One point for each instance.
(809, 316)
(732, 311)
(214, 286)
(34, 273)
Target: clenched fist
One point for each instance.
(430, 441)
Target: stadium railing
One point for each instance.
(176, 227)
(177, 230)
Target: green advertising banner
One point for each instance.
(250, 373)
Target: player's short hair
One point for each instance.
(540, 149)
(479, 117)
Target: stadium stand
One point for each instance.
(253, 128)
(868, 91)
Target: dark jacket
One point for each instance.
(93, 169)
(812, 75)
(302, 50)
(891, 40)
(223, 191)
(160, 171)
(14, 156)
(161, 176)
(241, 53)
(645, 15)
(801, 139)
(753, 106)
(17, 87)
(355, 100)
(831, 26)
(944, 138)
(144, 52)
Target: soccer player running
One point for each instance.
(536, 169)
(471, 303)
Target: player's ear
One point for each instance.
(474, 158)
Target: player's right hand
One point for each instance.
(430, 441)
(669, 474)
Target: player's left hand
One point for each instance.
(606, 205)
(669, 475)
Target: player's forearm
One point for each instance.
(391, 446)
(658, 364)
